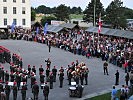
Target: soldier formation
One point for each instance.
(16, 79)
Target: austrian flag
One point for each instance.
(100, 24)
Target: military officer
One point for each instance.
(54, 71)
(41, 70)
(7, 90)
(48, 63)
(23, 91)
(6, 76)
(61, 78)
(46, 91)
(51, 80)
(15, 91)
(35, 91)
(29, 71)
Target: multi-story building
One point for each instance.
(15, 11)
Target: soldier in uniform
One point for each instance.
(6, 76)
(117, 77)
(1, 88)
(42, 77)
(20, 62)
(86, 76)
(77, 63)
(70, 76)
(76, 78)
(49, 45)
(35, 91)
(82, 77)
(46, 91)
(15, 90)
(34, 69)
(0, 73)
(23, 91)
(47, 73)
(18, 80)
(41, 70)
(54, 71)
(7, 91)
(33, 79)
(61, 78)
(3, 74)
(51, 80)
(105, 68)
(12, 77)
(29, 71)
(48, 63)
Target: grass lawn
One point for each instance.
(106, 96)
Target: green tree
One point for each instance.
(62, 13)
(43, 9)
(33, 14)
(128, 13)
(47, 19)
(76, 10)
(89, 11)
(115, 14)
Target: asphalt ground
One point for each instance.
(35, 53)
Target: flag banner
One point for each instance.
(12, 27)
(100, 24)
(45, 28)
(37, 30)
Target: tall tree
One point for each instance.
(115, 14)
(62, 13)
(47, 19)
(89, 11)
(33, 14)
(76, 10)
(43, 9)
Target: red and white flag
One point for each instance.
(100, 24)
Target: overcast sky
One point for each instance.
(76, 3)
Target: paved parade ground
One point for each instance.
(35, 54)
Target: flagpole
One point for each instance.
(94, 24)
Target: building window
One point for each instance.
(23, 1)
(23, 22)
(23, 10)
(15, 21)
(4, 1)
(14, 10)
(5, 21)
(14, 0)
(5, 10)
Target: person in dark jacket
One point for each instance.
(86, 76)
(41, 69)
(70, 76)
(48, 63)
(6, 76)
(61, 78)
(15, 91)
(23, 91)
(29, 71)
(7, 91)
(35, 91)
(34, 69)
(54, 71)
(51, 77)
(46, 91)
(117, 77)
